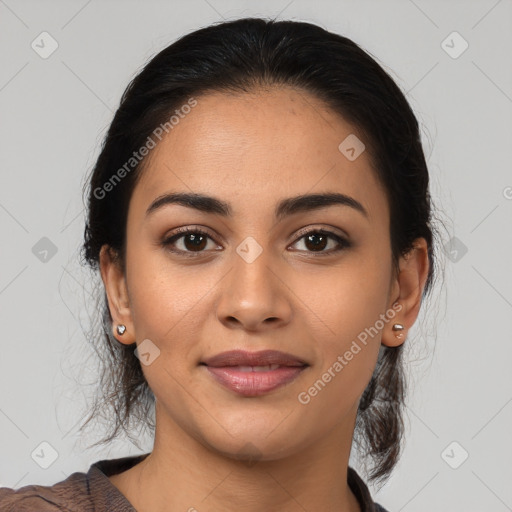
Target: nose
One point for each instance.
(253, 295)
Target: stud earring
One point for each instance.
(398, 327)
(121, 329)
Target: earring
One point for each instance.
(398, 327)
(121, 329)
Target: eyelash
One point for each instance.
(167, 243)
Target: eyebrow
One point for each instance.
(285, 208)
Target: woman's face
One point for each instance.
(256, 281)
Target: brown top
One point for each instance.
(93, 491)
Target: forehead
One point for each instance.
(256, 148)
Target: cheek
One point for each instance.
(350, 298)
(351, 307)
(163, 298)
(346, 356)
(167, 306)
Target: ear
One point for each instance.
(117, 294)
(407, 290)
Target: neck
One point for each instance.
(183, 473)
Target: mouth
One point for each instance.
(254, 373)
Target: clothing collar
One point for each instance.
(108, 494)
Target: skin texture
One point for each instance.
(252, 150)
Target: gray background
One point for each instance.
(54, 113)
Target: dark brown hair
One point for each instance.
(240, 56)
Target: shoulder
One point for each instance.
(362, 493)
(80, 492)
(71, 492)
(24, 500)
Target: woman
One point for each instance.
(261, 219)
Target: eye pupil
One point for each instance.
(319, 244)
(194, 242)
(196, 239)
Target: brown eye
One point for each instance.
(196, 241)
(193, 240)
(316, 241)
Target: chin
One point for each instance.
(253, 441)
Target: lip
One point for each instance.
(231, 369)
(246, 358)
